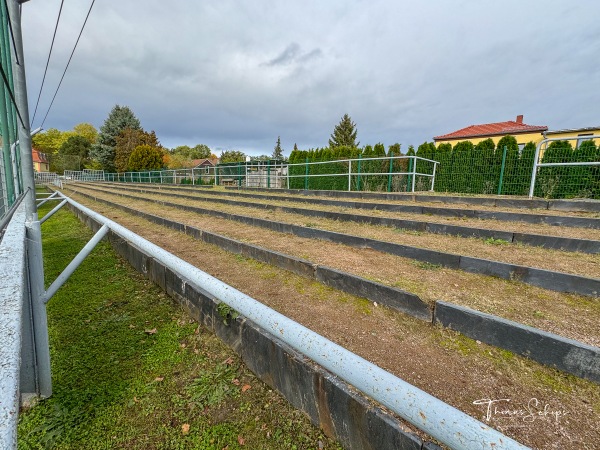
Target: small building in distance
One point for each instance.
(40, 161)
(523, 132)
(203, 163)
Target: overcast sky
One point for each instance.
(235, 75)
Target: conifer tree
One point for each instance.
(278, 151)
(484, 178)
(103, 151)
(344, 133)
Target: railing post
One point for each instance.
(408, 180)
(414, 175)
(239, 174)
(268, 174)
(535, 167)
(37, 318)
(349, 175)
(389, 186)
(358, 172)
(306, 175)
(433, 176)
(502, 170)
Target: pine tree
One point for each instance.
(103, 151)
(278, 151)
(295, 147)
(344, 133)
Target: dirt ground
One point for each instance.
(572, 316)
(555, 260)
(539, 407)
(302, 201)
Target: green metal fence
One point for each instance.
(11, 184)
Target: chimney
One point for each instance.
(520, 118)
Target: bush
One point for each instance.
(145, 157)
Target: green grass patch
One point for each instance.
(494, 241)
(426, 265)
(131, 371)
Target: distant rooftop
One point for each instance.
(573, 130)
(493, 129)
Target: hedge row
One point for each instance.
(318, 176)
(464, 168)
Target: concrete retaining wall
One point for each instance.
(583, 205)
(546, 348)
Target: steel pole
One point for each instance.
(41, 350)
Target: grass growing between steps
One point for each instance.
(131, 371)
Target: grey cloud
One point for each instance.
(293, 54)
(239, 76)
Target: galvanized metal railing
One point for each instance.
(543, 145)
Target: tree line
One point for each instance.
(120, 145)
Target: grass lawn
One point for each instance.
(130, 370)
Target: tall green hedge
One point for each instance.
(464, 168)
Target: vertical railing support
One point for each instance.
(433, 176)
(349, 175)
(306, 175)
(39, 352)
(391, 169)
(414, 172)
(502, 169)
(358, 172)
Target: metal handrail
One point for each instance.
(537, 156)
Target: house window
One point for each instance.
(582, 138)
(521, 147)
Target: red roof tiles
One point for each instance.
(493, 129)
(39, 157)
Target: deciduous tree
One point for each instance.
(145, 157)
(127, 141)
(87, 131)
(50, 141)
(229, 156)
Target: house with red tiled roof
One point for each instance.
(523, 132)
(40, 161)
